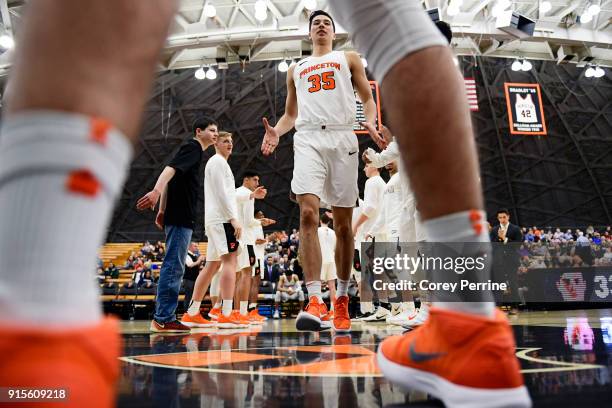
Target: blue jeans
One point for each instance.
(171, 273)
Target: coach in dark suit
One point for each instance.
(507, 239)
(505, 232)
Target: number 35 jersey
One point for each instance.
(324, 90)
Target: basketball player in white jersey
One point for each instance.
(427, 111)
(327, 241)
(370, 209)
(410, 228)
(245, 196)
(223, 231)
(260, 252)
(321, 105)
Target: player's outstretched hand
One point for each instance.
(375, 135)
(386, 134)
(267, 221)
(149, 200)
(270, 140)
(260, 193)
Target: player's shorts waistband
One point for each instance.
(334, 127)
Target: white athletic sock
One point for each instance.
(465, 226)
(314, 289)
(244, 307)
(217, 305)
(60, 175)
(228, 305)
(342, 288)
(252, 306)
(366, 307)
(194, 308)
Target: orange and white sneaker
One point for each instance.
(233, 321)
(462, 359)
(254, 314)
(196, 321)
(82, 361)
(314, 317)
(214, 313)
(342, 320)
(254, 319)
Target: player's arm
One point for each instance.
(286, 122)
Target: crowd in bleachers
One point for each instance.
(554, 248)
(142, 267)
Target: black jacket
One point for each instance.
(513, 234)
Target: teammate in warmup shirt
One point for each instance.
(223, 231)
(321, 105)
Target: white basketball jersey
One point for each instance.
(525, 110)
(325, 94)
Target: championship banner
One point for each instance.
(525, 109)
(360, 113)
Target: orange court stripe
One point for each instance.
(206, 358)
(357, 366)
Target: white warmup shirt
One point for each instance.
(411, 228)
(219, 192)
(372, 200)
(327, 240)
(324, 90)
(246, 215)
(389, 218)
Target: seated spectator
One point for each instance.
(138, 274)
(112, 271)
(146, 278)
(271, 273)
(159, 257)
(100, 275)
(129, 263)
(287, 289)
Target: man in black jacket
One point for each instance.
(505, 232)
(506, 238)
